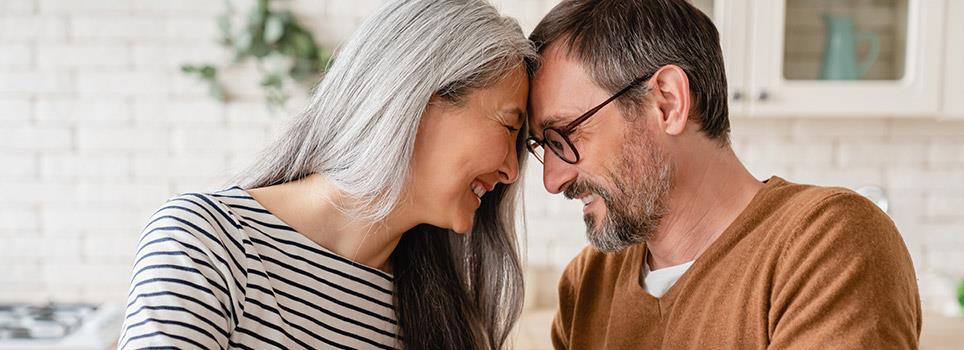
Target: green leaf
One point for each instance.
(217, 91)
(960, 294)
(274, 28)
(243, 43)
(275, 97)
(224, 28)
(259, 13)
(303, 70)
(287, 18)
(266, 32)
(302, 44)
(272, 80)
(208, 72)
(208, 75)
(260, 49)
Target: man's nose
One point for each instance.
(556, 173)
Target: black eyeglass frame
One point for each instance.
(532, 142)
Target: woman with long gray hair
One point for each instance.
(382, 218)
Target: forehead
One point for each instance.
(561, 90)
(513, 85)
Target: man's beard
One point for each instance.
(637, 203)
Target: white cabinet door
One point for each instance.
(954, 62)
(730, 18)
(816, 57)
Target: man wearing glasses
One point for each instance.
(687, 249)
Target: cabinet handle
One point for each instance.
(764, 96)
(737, 95)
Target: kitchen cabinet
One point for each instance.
(846, 58)
(954, 61)
(841, 58)
(729, 16)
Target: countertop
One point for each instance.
(938, 333)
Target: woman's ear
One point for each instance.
(672, 95)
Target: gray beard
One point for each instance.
(636, 204)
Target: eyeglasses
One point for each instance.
(558, 139)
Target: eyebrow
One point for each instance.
(550, 121)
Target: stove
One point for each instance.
(59, 326)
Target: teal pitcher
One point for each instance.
(840, 51)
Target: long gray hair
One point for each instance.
(451, 291)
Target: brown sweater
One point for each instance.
(802, 267)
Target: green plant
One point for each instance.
(208, 74)
(282, 49)
(960, 294)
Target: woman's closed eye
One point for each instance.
(512, 120)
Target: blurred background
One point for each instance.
(109, 107)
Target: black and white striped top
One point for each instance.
(218, 271)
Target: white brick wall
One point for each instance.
(83, 56)
(28, 27)
(19, 81)
(99, 127)
(15, 110)
(25, 138)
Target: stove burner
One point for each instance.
(50, 321)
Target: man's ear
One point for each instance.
(671, 93)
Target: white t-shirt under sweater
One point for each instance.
(659, 281)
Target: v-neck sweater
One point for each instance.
(802, 267)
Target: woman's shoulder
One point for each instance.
(202, 217)
(188, 275)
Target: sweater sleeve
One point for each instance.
(180, 292)
(845, 281)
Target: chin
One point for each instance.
(462, 227)
(463, 223)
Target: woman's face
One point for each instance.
(462, 151)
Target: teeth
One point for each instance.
(478, 189)
(588, 199)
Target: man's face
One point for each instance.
(622, 176)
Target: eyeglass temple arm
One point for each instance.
(589, 113)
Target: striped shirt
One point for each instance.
(218, 271)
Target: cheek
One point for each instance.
(442, 174)
(482, 152)
(448, 157)
(605, 146)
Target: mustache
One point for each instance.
(581, 187)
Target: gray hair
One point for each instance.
(359, 128)
(451, 291)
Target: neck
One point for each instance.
(314, 207)
(710, 190)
